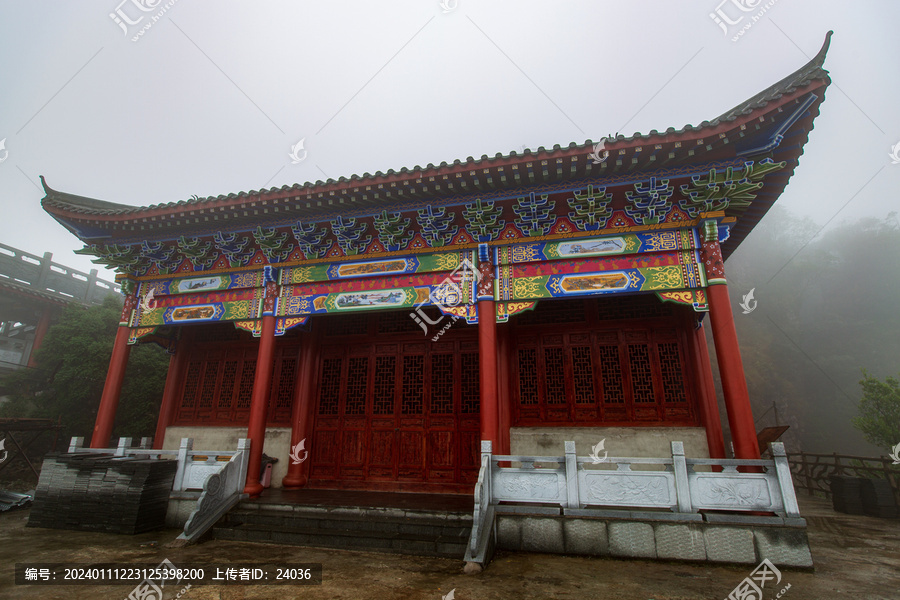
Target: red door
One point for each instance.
(396, 411)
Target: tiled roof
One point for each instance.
(56, 201)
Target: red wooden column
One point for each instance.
(301, 417)
(259, 399)
(487, 351)
(503, 350)
(39, 332)
(709, 406)
(728, 354)
(115, 375)
(170, 393)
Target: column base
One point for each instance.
(254, 489)
(293, 483)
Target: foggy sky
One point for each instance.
(211, 98)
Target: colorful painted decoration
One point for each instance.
(235, 248)
(649, 201)
(160, 255)
(310, 239)
(274, 245)
(726, 189)
(393, 230)
(533, 214)
(437, 225)
(124, 259)
(349, 235)
(484, 220)
(201, 254)
(590, 209)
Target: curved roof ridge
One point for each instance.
(810, 71)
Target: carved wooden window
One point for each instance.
(528, 374)
(412, 394)
(245, 390)
(554, 376)
(330, 386)
(471, 390)
(282, 393)
(623, 372)
(191, 383)
(672, 372)
(583, 375)
(385, 377)
(226, 390)
(442, 384)
(611, 373)
(357, 380)
(641, 373)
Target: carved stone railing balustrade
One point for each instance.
(586, 486)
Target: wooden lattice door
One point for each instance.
(401, 415)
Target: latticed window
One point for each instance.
(218, 382)
(623, 363)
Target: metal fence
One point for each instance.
(811, 472)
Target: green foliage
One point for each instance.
(879, 411)
(72, 364)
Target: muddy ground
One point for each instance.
(856, 557)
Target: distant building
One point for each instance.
(33, 289)
(344, 315)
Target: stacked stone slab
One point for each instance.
(878, 498)
(846, 494)
(102, 493)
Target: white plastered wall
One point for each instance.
(277, 444)
(652, 442)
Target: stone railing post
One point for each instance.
(571, 477)
(75, 444)
(486, 451)
(124, 445)
(187, 444)
(682, 486)
(244, 448)
(146, 443)
(783, 470)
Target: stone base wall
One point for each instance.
(786, 545)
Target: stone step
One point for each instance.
(400, 543)
(424, 525)
(404, 531)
